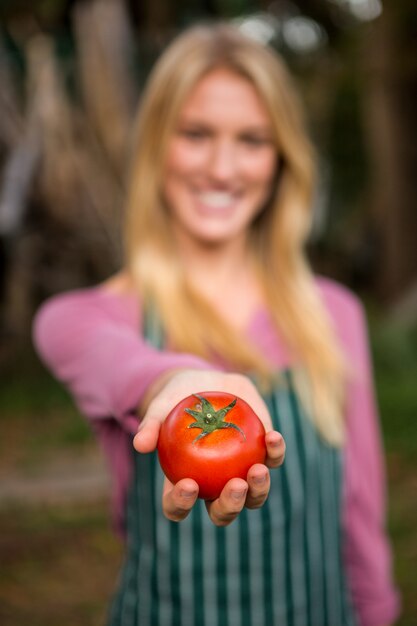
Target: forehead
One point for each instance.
(225, 93)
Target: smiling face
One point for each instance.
(221, 160)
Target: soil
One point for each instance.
(60, 558)
(69, 476)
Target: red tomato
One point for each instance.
(211, 437)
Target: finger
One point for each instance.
(259, 484)
(231, 501)
(146, 438)
(275, 446)
(179, 499)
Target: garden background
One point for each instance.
(71, 73)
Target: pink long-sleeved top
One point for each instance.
(91, 341)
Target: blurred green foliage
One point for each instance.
(395, 357)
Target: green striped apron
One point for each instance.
(279, 565)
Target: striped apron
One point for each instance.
(279, 565)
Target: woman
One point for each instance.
(216, 293)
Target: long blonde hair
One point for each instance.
(278, 235)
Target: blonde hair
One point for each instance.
(278, 235)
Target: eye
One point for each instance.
(194, 134)
(255, 140)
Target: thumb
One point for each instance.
(146, 439)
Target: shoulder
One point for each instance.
(83, 296)
(69, 326)
(336, 294)
(111, 298)
(77, 302)
(83, 310)
(114, 294)
(342, 304)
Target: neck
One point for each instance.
(225, 276)
(215, 265)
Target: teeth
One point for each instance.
(216, 199)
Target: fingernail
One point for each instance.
(276, 442)
(259, 480)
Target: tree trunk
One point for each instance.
(390, 96)
(105, 54)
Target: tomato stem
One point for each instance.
(210, 420)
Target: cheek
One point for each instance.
(261, 170)
(182, 159)
(180, 166)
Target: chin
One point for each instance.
(215, 238)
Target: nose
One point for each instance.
(222, 166)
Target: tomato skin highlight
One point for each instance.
(214, 458)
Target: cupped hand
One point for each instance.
(178, 499)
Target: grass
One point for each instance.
(60, 563)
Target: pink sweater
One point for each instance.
(90, 340)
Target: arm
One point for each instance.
(93, 345)
(91, 342)
(367, 551)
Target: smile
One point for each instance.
(217, 199)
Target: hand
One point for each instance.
(179, 499)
